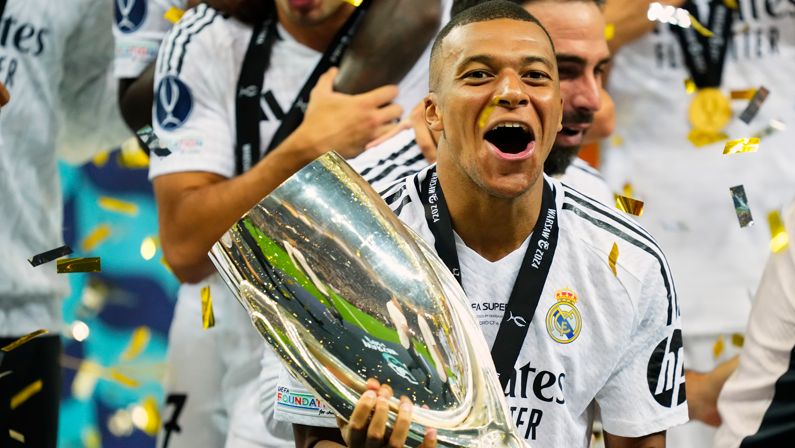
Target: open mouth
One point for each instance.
(570, 132)
(510, 138)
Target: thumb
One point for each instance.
(326, 81)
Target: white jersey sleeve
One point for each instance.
(193, 114)
(645, 393)
(88, 92)
(294, 403)
(138, 27)
(754, 405)
(393, 159)
(587, 180)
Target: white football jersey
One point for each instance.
(755, 404)
(624, 351)
(586, 179)
(138, 27)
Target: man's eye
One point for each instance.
(477, 74)
(536, 74)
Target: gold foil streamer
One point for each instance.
(484, 116)
(208, 317)
(629, 205)
(73, 265)
(738, 340)
(132, 156)
(746, 94)
(613, 258)
(741, 206)
(173, 14)
(123, 379)
(50, 255)
(779, 240)
(16, 436)
(138, 342)
(118, 206)
(718, 347)
(703, 138)
(95, 238)
(25, 394)
(23, 340)
(690, 86)
(741, 145)
(701, 29)
(610, 31)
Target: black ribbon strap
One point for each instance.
(706, 56)
(529, 283)
(252, 76)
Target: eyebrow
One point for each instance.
(490, 61)
(573, 59)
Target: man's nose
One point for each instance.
(511, 91)
(586, 94)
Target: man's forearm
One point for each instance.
(388, 43)
(136, 97)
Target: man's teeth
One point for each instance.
(511, 125)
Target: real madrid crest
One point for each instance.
(563, 318)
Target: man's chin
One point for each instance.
(559, 158)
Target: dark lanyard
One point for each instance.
(706, 56)
(252, 77)
(2, 8)
(529, 283)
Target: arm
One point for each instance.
(136, 97)
(656, 440)
(629, 20)
(196, 208)
(388, 42)
(703, 390)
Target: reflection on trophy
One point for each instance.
(343, 292)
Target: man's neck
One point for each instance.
(491, 226)
(316, 36)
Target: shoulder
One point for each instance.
(404, 199)
(398, 157)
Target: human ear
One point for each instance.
(433, 116)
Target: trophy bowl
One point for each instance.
(343, 292)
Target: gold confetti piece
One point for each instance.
(23, 340)
(355, 3)
(101, 159)
(702, 30)
(138, 342)
(484, 116)
(73, 265)
(690, 86)
(629, 205)
(166, 265)
(50, 255)
(741, 145)
(25, 394)
(746, 94)
(16, 436)
(738, 340)
(173, 14)
(741, 206)
(122, 379)
(627, 190)
(610, 31)
(146, 416)
(6, 373)
(132, 156)
(616, 140)
(95, 238)
(208, 317)
(779, 240)
(148, 248)
(118, 206)
(731, 4)
(613, 258)
(703, 138)
(718, 347)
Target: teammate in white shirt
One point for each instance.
(688, 208)
(756, 404)
(595, 337)
(195, 117)
(56, 64)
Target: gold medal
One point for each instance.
(710, 111)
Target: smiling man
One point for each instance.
(571, 329)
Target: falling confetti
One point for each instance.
(610, 31)
(118, 206)
(23, 340)
(73, 265)
(718, 347)
(101, 159)
(746, 94)
(7, 372)
(629, 205)
(738, 340)
(16, 436)
(173, 14)
(146, 416)
(138, 342)
(690, 86)
(741, 207)
(95, 237)
(208, 317)
(613, 258)
(731, 4)
(123, 379)
(25, 394)
(741, 145)
(703, 138)
(50, 255)
(753, 106)
(779, 240)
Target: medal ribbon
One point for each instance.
(530, 281)
(706, 56)
(252, 77)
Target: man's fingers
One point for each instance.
(381, 131)
(425, 141)
(402, 424)
(380, 96)
(357, 425)
(377, 429)
(429, 441)
(326, 81)
(389, 113)
(388, 131)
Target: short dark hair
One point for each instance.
(461, 5)
(483, 12)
